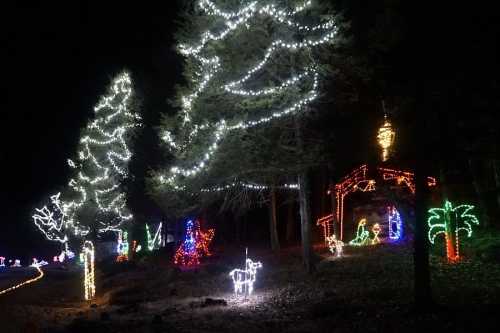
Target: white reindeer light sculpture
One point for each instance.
(243, 280)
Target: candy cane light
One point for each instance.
(89, 270)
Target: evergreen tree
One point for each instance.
(254, 65)
(94, 201)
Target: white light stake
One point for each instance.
(243, 280)
(89, 280)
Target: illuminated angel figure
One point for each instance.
(362, 235)
(335, 245)
(195, 245)
(243, 280)
(450, 221)
(51, 220)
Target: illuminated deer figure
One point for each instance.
(450, 221)
(243, 279)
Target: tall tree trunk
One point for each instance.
(290, 223)
(305, 220)
(273, 222)
(496, 173)
(423, 295)
(305, 206)
(476, 182)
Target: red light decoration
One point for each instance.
(404, 177)
(357, 180)
(195, 245)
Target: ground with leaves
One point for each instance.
(370, 289)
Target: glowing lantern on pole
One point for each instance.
(386, 136)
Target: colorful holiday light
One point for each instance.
(404, 177)
(335, 245)
(210, 70)
(450, 221)
(89, 270)
(17, 263)
(37, 263)
(40, 276)
(154, 242)
(386, 136)
(2, 261)
(357, 181)
(122, 246)
(362, 235)
(243, 279)
(395, 224)
(376, 231)
(195, 245)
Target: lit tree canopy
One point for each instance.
(94, 199)
(247, 64)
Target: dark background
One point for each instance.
(58, 58)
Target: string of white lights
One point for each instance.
(248, 186)
(103, 157)
(211, 67)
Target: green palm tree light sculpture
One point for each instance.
(450, 221)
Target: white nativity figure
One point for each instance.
(336, 245)
(243, 280)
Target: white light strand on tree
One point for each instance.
(248, 186)
(51, 221)
(103, 158)
(211, 67)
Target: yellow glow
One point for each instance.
(89, 281)
(40, 275)
(386, 136)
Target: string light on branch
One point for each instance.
(51, 221)
(103, 157)
(211, 76)
(89, 270)
(450, 221)
(248, 186)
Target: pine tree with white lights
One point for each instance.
(250, 65)
(94, 201)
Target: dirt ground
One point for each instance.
(370, 289)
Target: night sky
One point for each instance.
(59, 58)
